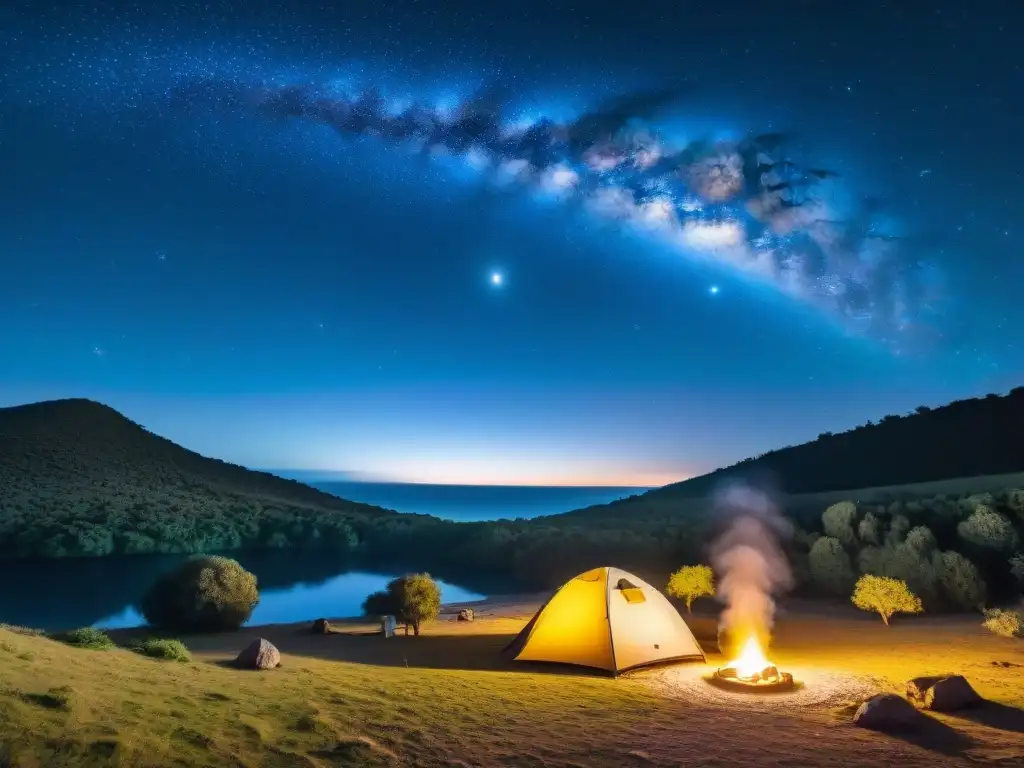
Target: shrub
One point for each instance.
(898, 527)
(885, 596)
(411, 599)
(85, 637)
(691, 582)
(961, 582)
(987, 528)
(838, 522)
(830, 566)
(205, 594)
(1017, 567)
(869, 530)
(169, 650)
(417, 597)
(1004, 623)
(920, 540)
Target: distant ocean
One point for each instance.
(473, 502)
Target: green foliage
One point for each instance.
(159, 648)
(987, 528)
(961, 583)
(869, 530)
(417, 599)
(1004, 623)
(691, 582)
(85, 637)
(1017, 567)
(411, 599)
(920, 540)
(830, 566)
(838, 521)
(884, 596)
(899, 525)
(204, 594)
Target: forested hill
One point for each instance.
(966, 438)
(77, 477)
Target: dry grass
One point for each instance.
(447, 699)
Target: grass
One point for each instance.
(445, 699)
(86, 637)
(1004, 623)
(160, 648)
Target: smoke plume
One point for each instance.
(751, 565)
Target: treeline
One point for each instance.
(966, 438)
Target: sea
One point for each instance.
(294, 586)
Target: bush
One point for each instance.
(168, 650)
(869, 530)
(898, 527)
(838, 522)
(885, 596)
(920, 540)
(987, 528)
(961, 582)
(411, 599)
(205, 594)
(1017, 567)
(86, 637)
(691, 582)
(1004, 623)
(830, 566)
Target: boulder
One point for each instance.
(466, 614)
(887, 712)
(321, 627)
(259, 654)
(942, 694)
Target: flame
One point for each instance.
(751, 660)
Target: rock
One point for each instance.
(321, 627)
(466, 614)
(259, 654)
(942, 694)
(887, 712)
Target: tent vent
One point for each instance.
(625, 584)
(634, 595)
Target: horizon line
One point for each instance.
(347, 477)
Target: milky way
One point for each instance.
(743, 204)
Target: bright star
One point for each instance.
(713, 290)
(496, 278)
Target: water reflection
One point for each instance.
(60, 594)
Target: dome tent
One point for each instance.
(608, 619)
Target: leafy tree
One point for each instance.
(204, 594)
(885, 596)
(920, 540)
(898, 527)
(838, 521)
(411, 599)
(869, 530)
(987, 528)
(961, 582)
(830, 566)
(691, 582)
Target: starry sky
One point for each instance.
(509, 242)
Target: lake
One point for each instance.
(102, 592)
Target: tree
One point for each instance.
(920, 540)
(1017, 567)
(838, 522)
(691, 582)
(961, 581)
(830, 566)
(869, 529)
(987, 528)
(411, 599)
(885, 596)
(204, 594)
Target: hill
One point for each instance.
(78, 478)
(966, 438)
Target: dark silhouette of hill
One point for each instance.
(78, 478)
(966, 438)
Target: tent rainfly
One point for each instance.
(608, 619)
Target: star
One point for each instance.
(713, 290)
(497, 278)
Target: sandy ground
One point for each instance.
(839, 654)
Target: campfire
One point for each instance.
(753, 670)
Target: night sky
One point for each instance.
(510, 242)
